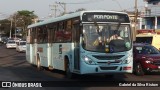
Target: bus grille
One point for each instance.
(106, 63)
(108, 57)
(108, 68)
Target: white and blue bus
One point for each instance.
(82, 43)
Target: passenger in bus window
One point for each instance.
(99, 42)
(115, 36)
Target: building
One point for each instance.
(150, 16)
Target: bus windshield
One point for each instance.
(106, 37)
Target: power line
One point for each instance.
(118, 4)
(63, 4)
(86, 2)
(139, 7)
(54, 8)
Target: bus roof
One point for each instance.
(68, 16)
(55, 19)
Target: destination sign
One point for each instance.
(114, 17)
(105, 17)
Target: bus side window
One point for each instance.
(45, 35)
(67, 35)
(59, 36)
(33, 35)
(67, 31)
(53, 32)
(59, 32)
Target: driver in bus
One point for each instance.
(115, 35)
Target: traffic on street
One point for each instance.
(82, 45)
(14, 67)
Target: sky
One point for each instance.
(42, 8)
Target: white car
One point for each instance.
(11, 44)
(21, 46)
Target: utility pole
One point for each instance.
(135, 21)
(136, 12)
(54, 9)
(63, 5)
(10, 33)
(15, 24)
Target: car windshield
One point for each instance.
(22, 43)
(11, 41)
(106, 37)
(146, 50)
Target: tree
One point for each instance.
(21, 19)
(5, 26)
(25, 17)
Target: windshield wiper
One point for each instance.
(95, 23)
(119, 24)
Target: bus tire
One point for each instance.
(38, 63)
(69, 74)
(139, 70)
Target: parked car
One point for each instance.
(21, 46)
(11, 44)
(146, 59)
(5, 39)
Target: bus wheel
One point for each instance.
(38, 63)
(69, 74)
(139, 70)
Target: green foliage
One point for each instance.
(21, 19)
(24, 18)
(5, 26)
(27, 13)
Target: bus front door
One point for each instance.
(76, 39)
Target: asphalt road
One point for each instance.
(14, 67)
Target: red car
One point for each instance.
(146, 59)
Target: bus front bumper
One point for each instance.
(101, 69)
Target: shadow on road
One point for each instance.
(19, 58)
(9, 55)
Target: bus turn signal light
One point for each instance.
(127, 68)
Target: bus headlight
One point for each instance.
(88, 60)
(127, 60)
